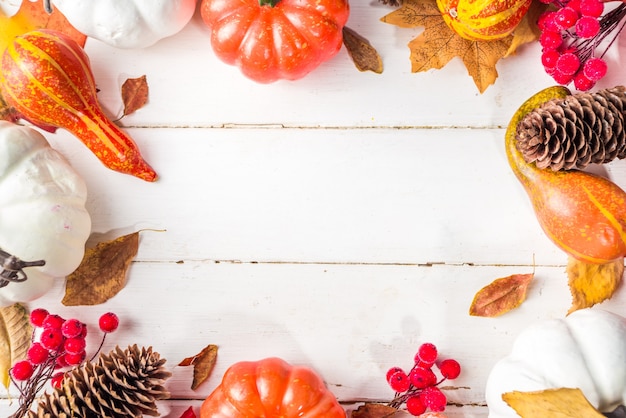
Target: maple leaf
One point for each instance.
(437, 45)
(102, 273)
(501, 295)
(134, 94)
(593, 283)
(203, 364)
(551, 403)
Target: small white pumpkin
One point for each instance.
(129, 24)
(42, 213)
(585, 350)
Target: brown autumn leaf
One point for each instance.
(438, 44)
(15, 338)
(593, 283)
(102, 273)
(551, 403)
(374, 410)
(501, 295)
(363, 54)
(134, 94)
(203, 364)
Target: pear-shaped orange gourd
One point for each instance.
(46, 76)
(582, 213)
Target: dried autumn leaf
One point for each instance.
(363, 54)
(593, 283)
(203, 364)
(501, 295)
(374, 410)
(551, 403)
(15, 338)
(134, 94)
(102, 273)
(438, 44)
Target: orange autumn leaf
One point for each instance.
(551, 403)
(203, 364)
(102, 273)
(437, 45)
(134, 94)
(593, 283)
(501, 295)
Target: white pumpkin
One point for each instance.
(42, 213)
(127, 24)
(585, 350)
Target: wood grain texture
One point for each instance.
(338, 221)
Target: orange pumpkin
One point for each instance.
(483, 20)
(271, 388)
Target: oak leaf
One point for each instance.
(437, 45)
(593, 283)
(551, 403)
(203, 364)
(501, 295)
(102, 272)
(363, 54)
(15, 338)
(374, 410)
(134, 94)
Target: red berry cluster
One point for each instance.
(418, 388)
(56, 343)
(571, 34)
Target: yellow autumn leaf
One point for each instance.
(551, 403)
(593, 283)
(15, 338)
(12, 26)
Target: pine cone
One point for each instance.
(124, 383)
(575, 131)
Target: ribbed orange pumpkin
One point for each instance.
(483, 20)
(46, 76)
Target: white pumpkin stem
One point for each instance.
(13, 268)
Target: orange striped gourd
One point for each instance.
(483, 20)
(46, 76)
(582, 213)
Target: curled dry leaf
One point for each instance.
(134, 94)
(374, 410)
(551, 403)
(593, 283)
(203, 364)
(102, 273)
(15, 336)
(363, 54)
(501, 295)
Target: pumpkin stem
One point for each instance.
(47, 5)
(12, 268)
(270, 3)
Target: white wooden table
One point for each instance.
(338, 221)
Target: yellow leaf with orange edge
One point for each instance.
(593, 283)
(551, 403)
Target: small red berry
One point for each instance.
(72, 359)
(582, 83)
(421, 377)
(587, 27)
(22, 370)
(399, 381)
(72, 328)
(392, 371)
(188, 413)
(549, 58)
(595, 68)
(415, 406)
(433, 398)
(568, 64)
(60, 362)
(550, 39)
(108, 322)
(74, 345)
(57, 380)
(593, 8)
(546, 22)
(565, 18)
(37, 316)
(53, 321)
(37, 353)
(450, 368)
(51, 338)
(426, 355)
